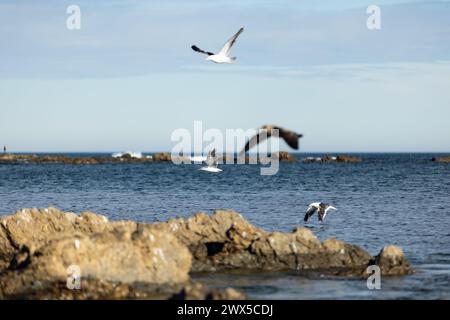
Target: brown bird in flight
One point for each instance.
(291, 137)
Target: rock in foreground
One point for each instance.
(226, 241)
(44, 251)
(41, 251)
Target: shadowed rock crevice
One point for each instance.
(214, 248)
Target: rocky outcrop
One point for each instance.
(441, 159)
(392, 261)
(285, 156)
(344, 158)
(61, 159)
(163, 156)
(33, 228)
(327, 159)
(126, 158)
(40, 249)
(226, 241)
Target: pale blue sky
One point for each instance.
(128, 78)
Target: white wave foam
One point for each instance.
(198, 158)
(137, 155)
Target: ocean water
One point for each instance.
(401, 199)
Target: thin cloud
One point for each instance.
(137, 38)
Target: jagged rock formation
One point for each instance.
(226, 241)
(123, 259)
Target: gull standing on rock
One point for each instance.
(322, 209)
(224, 54)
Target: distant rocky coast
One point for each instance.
(283, 156)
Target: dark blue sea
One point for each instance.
(401, 199)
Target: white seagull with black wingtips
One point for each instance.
(322, 209)
(224, 54)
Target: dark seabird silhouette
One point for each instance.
(290, 137)
(322, 209)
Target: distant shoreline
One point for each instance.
(8, 158)
(100, 158)
(250, 153)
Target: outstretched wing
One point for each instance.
(227, 47)
(255, 140)
(197, 49)
(211, 160)
(290, 137)
(311, 210)
(326, 211)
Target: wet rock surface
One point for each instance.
(39, 250)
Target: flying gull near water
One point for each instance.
(290, 137)
(211, 162)
(224, 54)
(322, 209)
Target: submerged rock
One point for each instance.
(40, 249)
(197, 291)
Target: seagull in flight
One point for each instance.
(211, 162)
(290, 137)
(224, 54)
(322, 209)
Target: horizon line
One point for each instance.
(152, 152)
